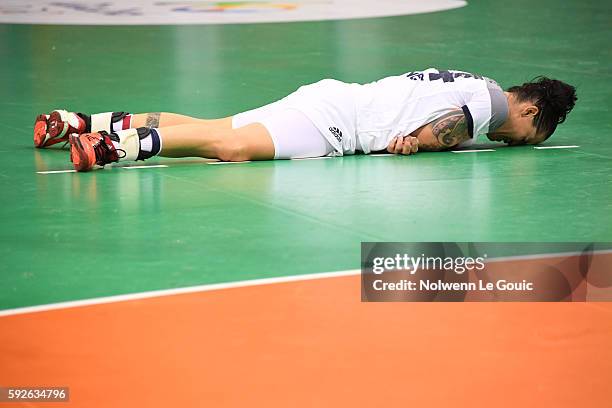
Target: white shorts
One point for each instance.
(324, 110)
(293, 134)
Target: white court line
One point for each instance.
(224, 162)
(383, 154)
(56, 171)
(314, 158)
(144, 167)
(176, 291)
(555, 147)
(241, 284)
(544, 256)
(473, 151)
(115, 167)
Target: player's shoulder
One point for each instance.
(448, 77)
(442, 80)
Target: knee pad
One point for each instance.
(150, 143)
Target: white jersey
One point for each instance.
(366, 117)
(398, 105)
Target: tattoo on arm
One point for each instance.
(429, 147)
(152, 119)
(450, 129)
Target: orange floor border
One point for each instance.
(313, 344)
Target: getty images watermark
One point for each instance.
(435, 271)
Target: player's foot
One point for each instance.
(89, 149)
(55, 127)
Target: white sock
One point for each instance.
(111, 121)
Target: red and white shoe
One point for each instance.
(89, 149)
(56, 127)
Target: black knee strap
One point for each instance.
(144, 132)
(117, 116)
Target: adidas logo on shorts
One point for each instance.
(337, 133)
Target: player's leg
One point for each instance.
(270, 132)
(278, 134)
(163, 119)
(251, 142)
(286, 134)
(59, 124)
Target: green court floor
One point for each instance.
(71, 236)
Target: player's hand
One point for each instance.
(403, 145)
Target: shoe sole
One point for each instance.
(46, 135)
(40, 131)
(79, 155)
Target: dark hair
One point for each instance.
(555, 99)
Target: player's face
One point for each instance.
(520, 135)
(521, 129)
(522, 132)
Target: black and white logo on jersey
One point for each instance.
(337, 133)
(415, 76)
(445, 76)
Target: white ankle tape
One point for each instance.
(129, 142)
(101, 121)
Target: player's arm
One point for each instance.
(443, 133)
